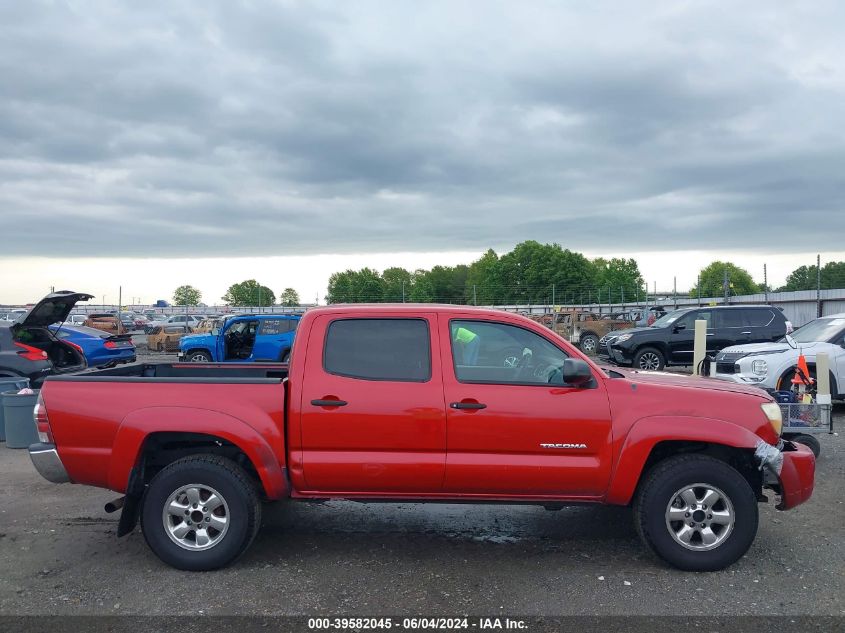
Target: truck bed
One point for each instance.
(184, 372)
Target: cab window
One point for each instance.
(499, 353)
(379, 349)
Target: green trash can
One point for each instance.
(8, 383)
(20, 425)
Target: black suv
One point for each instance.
(669, 340)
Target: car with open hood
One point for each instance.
(29, 349)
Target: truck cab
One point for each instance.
(242, 339)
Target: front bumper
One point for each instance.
(47, 462)
(795, 478)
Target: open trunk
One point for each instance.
(65, 357)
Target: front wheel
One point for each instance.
(198, 356)
(697, 513)
(200, 513)
(649, 359)
(807, 440)
(589, 343)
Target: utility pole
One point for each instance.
(403, 292)
(553, 297)
(622, 294)
(698, 285)
(119, 308)
(818, 285)
(675, 291)
(259, 298)
(474, 295)
(765, 283)
(725, 284)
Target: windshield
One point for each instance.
(820, 330)
(669, 318)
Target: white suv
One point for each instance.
(771, 365)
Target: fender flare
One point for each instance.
(649, 431)
(140, 423)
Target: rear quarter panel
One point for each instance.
(100, 426)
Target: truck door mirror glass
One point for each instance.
(576, 372)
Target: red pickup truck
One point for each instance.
(419, 403)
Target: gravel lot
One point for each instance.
(59, 555)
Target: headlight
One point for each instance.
(622, 337)
(772, 411)
(760, 367)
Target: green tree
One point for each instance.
(249, 293)
(186, 296)
(482, 286)
(618, 278)
(532, 272)
(712, 280)
(806, 277)
(396, 284)
(351, 286)
(289, 298)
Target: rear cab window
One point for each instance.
(387, 349)
(277, 326)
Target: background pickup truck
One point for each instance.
(244, 338)
(419, 403)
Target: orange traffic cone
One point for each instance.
(797, 379)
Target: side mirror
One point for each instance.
(679, 327)
(576, 372)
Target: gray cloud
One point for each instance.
(222, 128)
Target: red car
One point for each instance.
(420, 403)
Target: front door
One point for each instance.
(373, 418)
(514, 428)
(682, 336)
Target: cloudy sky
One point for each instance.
(158, 143)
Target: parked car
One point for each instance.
(772, 365)
(140, 322)
(161, 303)
(76, 319)
(207, 325)
(188, 319)
(30, 350)
(105, 321)
(166, 337)
(669, 340)
(587, 328)
(127, 321)
(245, 338)
(372, 396)
(101, 349)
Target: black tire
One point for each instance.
(807, 440)
(660, 487)
(589, 343)
(649, 358)
(198, 356)
(785, 382)
(229, 481)
(284, 357)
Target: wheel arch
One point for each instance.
(645, 446)
(834, 386)
(148, 439)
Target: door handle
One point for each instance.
(468, 405)
(329, 403)
(745, 332)
(710, 333)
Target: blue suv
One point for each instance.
(245, 338)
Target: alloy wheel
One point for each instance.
(700, 517)
(196, 517)
(649, 361)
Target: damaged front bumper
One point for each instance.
(788, 469)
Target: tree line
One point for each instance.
(244, 293)
(530, 273)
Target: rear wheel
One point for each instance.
(589, 343)
(697, 513)
(649, 359)
(200, 513)
(198, 356)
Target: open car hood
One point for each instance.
(54, 308)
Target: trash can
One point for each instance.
(9, 384)
(20, 426)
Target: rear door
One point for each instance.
(730, 328)
(514, 428)
(274, 336)
(373, 418)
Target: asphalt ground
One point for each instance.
(59, 555)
